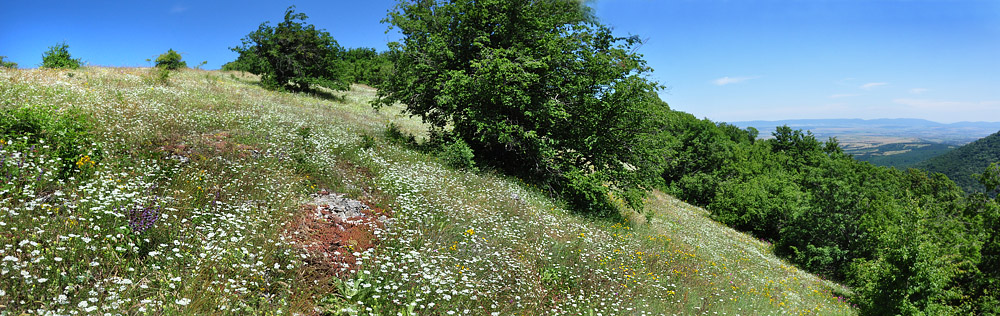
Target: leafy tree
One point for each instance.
(7, 64)
(534, 87)
(170, 60)
(58, 57)
(365, 65)
(758, 205)
(249, 62)
(990, 178)
(292, 55)
(987, 285)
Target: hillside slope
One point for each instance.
(963, 163)
(189, 200)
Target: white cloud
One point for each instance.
(843, 95)
(871, 85)
(727, 80)
(178, 9)
(918, 90)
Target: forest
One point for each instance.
(964, 164)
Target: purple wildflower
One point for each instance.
(143, 217)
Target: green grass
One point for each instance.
(228, 165)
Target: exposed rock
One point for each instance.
(334, 231)
(337, 205)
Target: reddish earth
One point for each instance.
(332, 241)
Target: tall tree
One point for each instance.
(536, 87)
(293, 55)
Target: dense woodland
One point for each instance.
(964, 163)
(541, 90)
(908, 242)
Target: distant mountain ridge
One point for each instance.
(958, 133)
(907, 122)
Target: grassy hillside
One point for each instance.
(962, 164)
(129, 195)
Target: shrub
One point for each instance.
(292, 55)
(366, 66)
(161, 75)
(7, 64)
(170, 60)
(65, 134)
(458, 154)
(58, 57)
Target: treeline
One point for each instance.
(908, 242)
(296, 56)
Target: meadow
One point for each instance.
(129, 194)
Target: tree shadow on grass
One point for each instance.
(326, 95)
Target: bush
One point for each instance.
(160, 75)
(536, 84)
(758, 205)
(366, 66)
(458, 154)
(7, 64)
(292, 55)
(66, 135)
(58, 57)
(586, 192)
(170, 60)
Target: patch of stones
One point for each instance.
(349, 210)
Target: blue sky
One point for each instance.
(724, 60)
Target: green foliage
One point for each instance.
(162, 75)
(987, 285)
(366, 66)
(962, 164)
(248, 62)
(535, 88)
(7, 64)
(64, 135)
(292, 55)
(170, 60)
(758, 205)
(990, 179)
(908, 242)
(458, 154)
(58, 57)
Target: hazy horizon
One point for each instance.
(863, 119)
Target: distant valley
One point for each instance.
(898, 143)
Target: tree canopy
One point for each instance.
(963, 163)
(170, 60)
(58, 57)
(534, 87)
(293, 55)
(907, 242)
